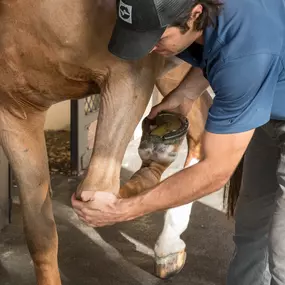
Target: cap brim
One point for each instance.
(132, 45)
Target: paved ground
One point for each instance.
(122, 254)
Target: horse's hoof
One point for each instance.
(168, 266)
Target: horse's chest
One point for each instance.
(37, 76)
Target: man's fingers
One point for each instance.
(90, 223)
(101, 200)
(87, 196)
(167, 104)
(84, 218)
(78, 212)
(152, 113)
(156, 109)
(87, 223)
(98, 212)
(89, 211)
(75, 203)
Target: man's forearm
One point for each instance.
(183, 187)
(193, 84)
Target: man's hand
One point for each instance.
(222, 154)
(102, 209)
(180, 100)
(171, 102)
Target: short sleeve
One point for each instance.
(244, 91)
(193, 55)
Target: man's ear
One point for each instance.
(194, 15)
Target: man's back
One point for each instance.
(243, 58)
(252, 26)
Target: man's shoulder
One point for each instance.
(251, 26)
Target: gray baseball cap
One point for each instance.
(141, 23)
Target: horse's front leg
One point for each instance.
(124, 97)
(24, 144)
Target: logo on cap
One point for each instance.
(125, 12)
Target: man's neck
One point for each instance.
(200, 39)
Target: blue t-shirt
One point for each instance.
(243, 59)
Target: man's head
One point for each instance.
(163, 26)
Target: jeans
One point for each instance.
(259, 257)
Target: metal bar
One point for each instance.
(74, 123)
(10, 201)
(4, 193)
(83, 113)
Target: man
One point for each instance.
(240, 46)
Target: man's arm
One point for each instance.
(243, 102)
(222, 155)
(191, 87)
(193, 84)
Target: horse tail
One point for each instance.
(232, 190)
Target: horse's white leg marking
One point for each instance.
(176, 222)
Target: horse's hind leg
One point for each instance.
(170, 249)
(24, 144)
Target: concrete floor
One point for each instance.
(122, 254)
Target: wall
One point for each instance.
(58, 117)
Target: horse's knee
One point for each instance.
(39, 225)
(42, 241)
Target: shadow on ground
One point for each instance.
(121, 254)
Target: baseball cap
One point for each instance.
(140, 24)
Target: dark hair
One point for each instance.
(211, 9)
